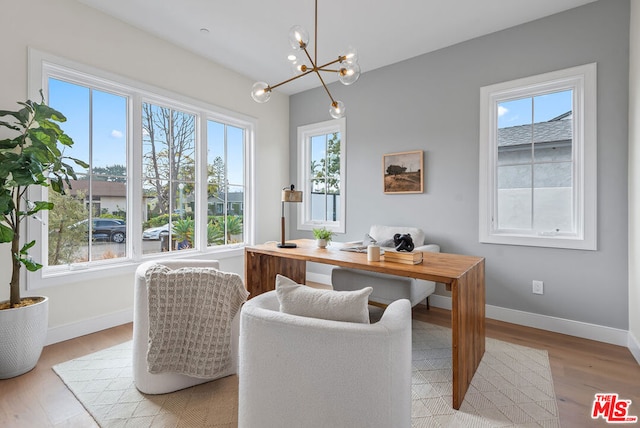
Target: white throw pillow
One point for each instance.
(297, 299)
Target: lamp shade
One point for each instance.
(289, 195)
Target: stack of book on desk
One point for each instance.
(403, 257)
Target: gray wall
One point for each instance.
(431, 103)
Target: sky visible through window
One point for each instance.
(545, 107)
(109, 128)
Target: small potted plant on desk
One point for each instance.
(323, 237)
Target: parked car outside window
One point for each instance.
(155, 233)
(110, 229)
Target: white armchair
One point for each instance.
(388, 288)
(161, 383)
(296, 371)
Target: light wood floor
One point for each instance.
(580, 369)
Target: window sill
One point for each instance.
(568, 243)
(78, 273)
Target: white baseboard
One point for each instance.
(77, 329)
(584, 330)
(634, 346)
(320, 278)
(559, 325)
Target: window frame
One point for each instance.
(41, 67)
(305, 134)
(583, 81)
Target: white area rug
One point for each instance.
(512, 387)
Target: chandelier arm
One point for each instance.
(290, 80)
(333, 102)
(340, 58)
(318, 73)
(313, 64)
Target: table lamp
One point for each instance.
(288, 195)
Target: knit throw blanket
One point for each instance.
(190, 315)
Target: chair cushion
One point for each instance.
(297, 299)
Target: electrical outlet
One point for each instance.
(538, 287)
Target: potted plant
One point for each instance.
(32, 157)
(323, 237)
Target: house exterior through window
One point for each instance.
(538, 160)
(167, 174)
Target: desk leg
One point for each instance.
(260, 271)
(468, 329)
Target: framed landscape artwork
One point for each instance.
(403, 172)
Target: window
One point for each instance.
(167, 174)
(538, 160)
(169, 178)
(226, 188)
(97, 123)
(321, 175)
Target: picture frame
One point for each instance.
(403, 172)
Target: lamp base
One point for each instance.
(287, 245)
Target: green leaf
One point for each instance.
(68, 169)
(6, 233)
(57, 184)
(10, 126)
(65, 140)
(30, 264)
(23, 114)
(39, 206)
(79, 162)
(6, 202)
(25, 247)
(9, 144)
(43, 111)
(12, 113)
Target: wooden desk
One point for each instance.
(462, 275)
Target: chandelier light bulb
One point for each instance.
(298, 37)
(298, 67)
(297, 64)
(351, 55)
(337, 110)
(349, 72)
(260, 92)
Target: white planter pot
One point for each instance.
(322, 243)
(23, 332)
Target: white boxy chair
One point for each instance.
(297, 371)
(388, 288)
(162, 383)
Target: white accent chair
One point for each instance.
(296, 371)
(162, 383)
(388, 288)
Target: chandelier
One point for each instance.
(303, 64)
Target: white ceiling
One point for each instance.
(250, 36)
